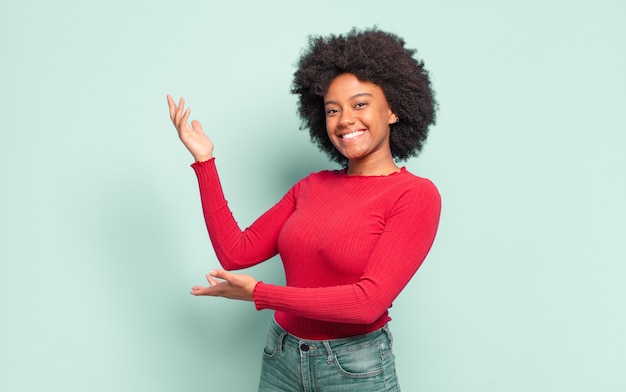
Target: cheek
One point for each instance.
(330, 125)
(332, 139)
(329, 132)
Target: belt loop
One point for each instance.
(389, 335)
(280, 340)
(329, 351)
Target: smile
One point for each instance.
(351, 135)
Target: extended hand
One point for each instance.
(192, 136)
(228, 285)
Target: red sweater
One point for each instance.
(349, 245)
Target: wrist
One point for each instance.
(254, 292)
(203, 158)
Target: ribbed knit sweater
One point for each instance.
(349, 245)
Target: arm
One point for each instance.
(236, 248)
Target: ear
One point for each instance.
(393, 118)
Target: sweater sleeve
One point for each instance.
(236, 248)
(400, 250)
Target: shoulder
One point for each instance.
(415, 193)
(408, 183)
(420, 183)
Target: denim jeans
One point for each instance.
(363, 363)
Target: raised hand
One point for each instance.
(192, 136)
(228, 285)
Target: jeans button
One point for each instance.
(304, 347)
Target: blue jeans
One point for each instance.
(363, 363)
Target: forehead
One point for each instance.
(347, 85)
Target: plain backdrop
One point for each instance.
(101, 229)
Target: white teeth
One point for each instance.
(351, 135)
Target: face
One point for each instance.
(358, 118)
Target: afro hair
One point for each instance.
(375, 56)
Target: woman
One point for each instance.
(350, 239)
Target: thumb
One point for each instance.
(195, 124)
(221, 274)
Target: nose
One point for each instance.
(346, 119)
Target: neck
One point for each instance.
(372, 168)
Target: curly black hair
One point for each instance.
(375, 56)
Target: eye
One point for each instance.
(330, 112)
(360, 105)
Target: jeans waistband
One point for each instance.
(287, 341)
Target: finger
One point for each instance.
(179, 111)
(185, 118)
(212, 281)
(173, 109)
(172, 106)
(223, 274)
(195, 124)
(198, 290)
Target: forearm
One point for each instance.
(343, 304)
(236, 248)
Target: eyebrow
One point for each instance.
(351, 98)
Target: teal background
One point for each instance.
(102, 235)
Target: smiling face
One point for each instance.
(357, 121)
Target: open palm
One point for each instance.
(192, 136)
